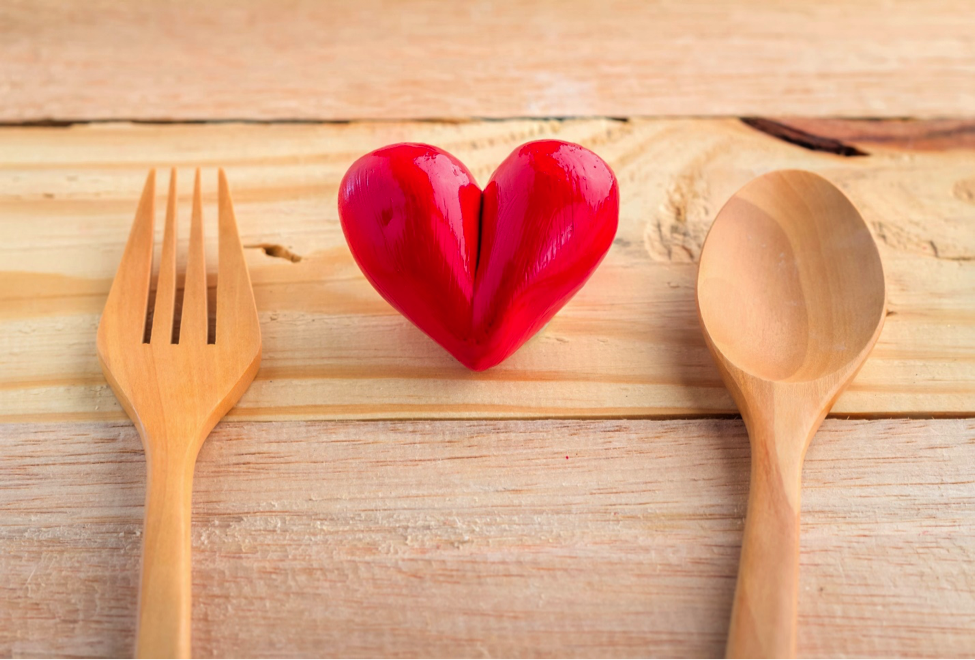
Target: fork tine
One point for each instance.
(194, 323)
(128, 299)
(162, 318)
(236, 309)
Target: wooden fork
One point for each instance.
(176, 392)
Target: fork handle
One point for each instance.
(164, 593)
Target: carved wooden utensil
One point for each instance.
(176, 392)
(791, 299)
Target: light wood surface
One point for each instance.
(482, 539)
(176, 385)
(627, 345)
(262, 59)
(791, 299)
(580, 537)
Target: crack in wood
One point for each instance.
(802, 138)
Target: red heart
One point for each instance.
(480, 273)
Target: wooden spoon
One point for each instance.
(791, 298)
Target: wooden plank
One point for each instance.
(459, 538)
(426, 59)
(628, 345)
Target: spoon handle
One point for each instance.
(763, 616)
(164, 594)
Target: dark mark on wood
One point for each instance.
(906, 134)
(802, 138)
(938, 255)
(278, 251)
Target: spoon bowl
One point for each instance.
(791, 300)
(790, 247)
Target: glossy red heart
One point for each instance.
(480, 273)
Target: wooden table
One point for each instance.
(370, 496)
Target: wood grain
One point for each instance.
(628, 345)
(262, 59)
(466, 538)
